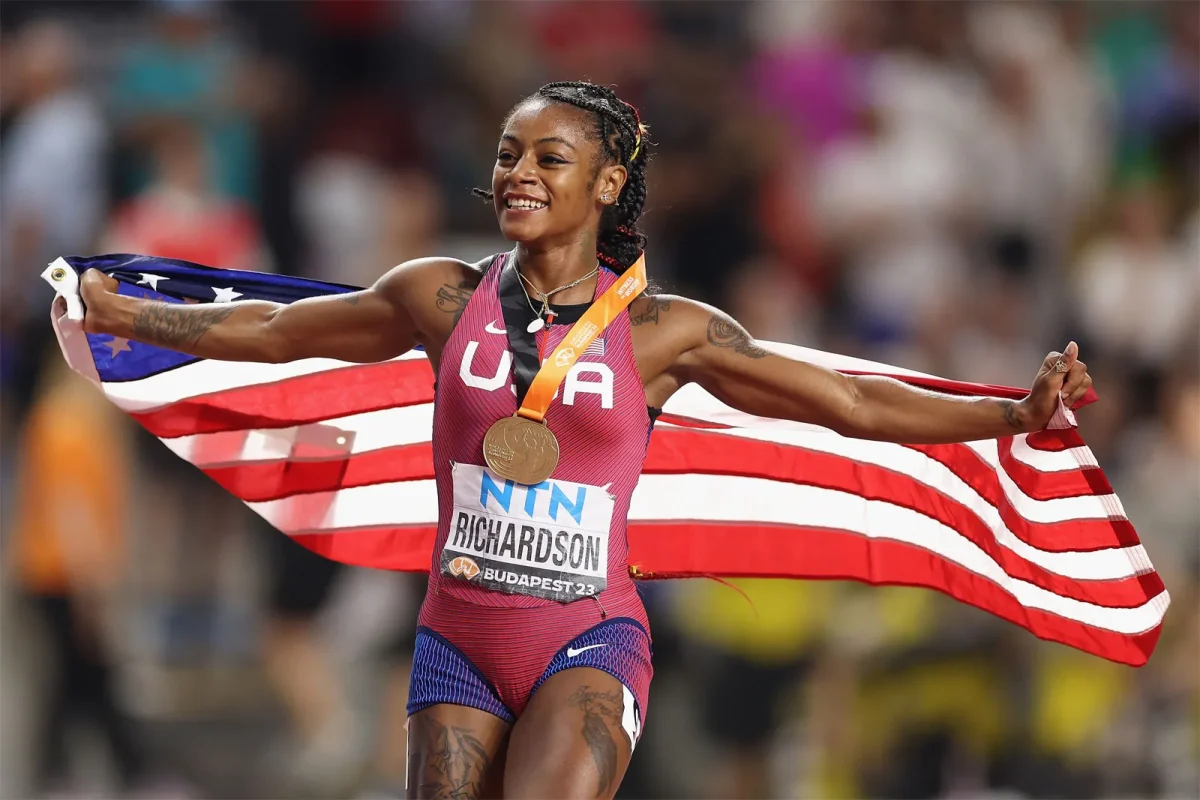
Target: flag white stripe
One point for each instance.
(919, 466)
(411, 425)
(1046, 461)
(208, 376)
(374, 430)
(712, 498)
(413, 503)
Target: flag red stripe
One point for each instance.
(1055, 441)
(1080, 482)
(269, 480)
(329, 394)
(825, 553)
(675, 451)
(1084, 535)
(260, 481)
(755, 550)
(414, 462)
(402, 548)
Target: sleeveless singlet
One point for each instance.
(600, 418)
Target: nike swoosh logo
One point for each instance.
(572, 652)
(491, 328)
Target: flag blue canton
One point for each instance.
(174, 281)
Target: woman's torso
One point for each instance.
(504, 544)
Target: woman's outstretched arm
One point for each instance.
(374, 324)
(718, 354)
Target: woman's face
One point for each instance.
(549, 182)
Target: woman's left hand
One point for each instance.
(1062, 375)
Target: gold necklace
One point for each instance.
(544, 297)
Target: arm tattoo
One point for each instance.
(453, 299)
(724, 332)
(455, 762)
(649, 313)
(1010, 415)
(171, 326)
(598, 706)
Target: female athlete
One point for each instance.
(532, 661)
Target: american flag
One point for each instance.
(338, 456)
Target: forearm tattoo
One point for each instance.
(649, 312)
(1010, 415)
(454, 299)
(456, 762)
(724, 332)
(178, 328)
(598, 707)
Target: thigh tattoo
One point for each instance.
(455, 763)
(599, 709)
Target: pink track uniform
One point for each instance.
(521, 575)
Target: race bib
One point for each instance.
(548, 540)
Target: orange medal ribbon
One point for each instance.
(521, 447)
(598, 317)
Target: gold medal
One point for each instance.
(521, 450)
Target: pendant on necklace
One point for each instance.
(536, 325)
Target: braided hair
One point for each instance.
(619, 242)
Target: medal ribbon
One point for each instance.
(536, 385)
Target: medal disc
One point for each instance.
(521, 450)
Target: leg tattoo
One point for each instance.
(456, 762)
(598, 706)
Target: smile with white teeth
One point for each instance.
(523, 204)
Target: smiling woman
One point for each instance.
(603, 119)
(532, 662)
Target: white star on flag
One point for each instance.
(225, 295)
(151, 280)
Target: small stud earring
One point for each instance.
(606, 198)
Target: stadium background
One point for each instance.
(952, 187)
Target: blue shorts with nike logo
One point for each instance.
(442, 673)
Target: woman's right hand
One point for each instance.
(96, 288)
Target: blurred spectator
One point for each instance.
(815, 77)
(364, 203)
(888, 200)
(188, 67)
(69, 561)
(1159, 476)
(51, 188)
(52, 185)
(752, 643)
(181, 216)
(1138, 290)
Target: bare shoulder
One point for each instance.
(675, 334)
(410, 279)
(663, 327)
(676, 318)
(435, 292)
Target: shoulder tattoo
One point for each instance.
(453, 299)
(649, 312)
(724, 332)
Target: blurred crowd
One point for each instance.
(952, 187)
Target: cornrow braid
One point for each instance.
(622, 138)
